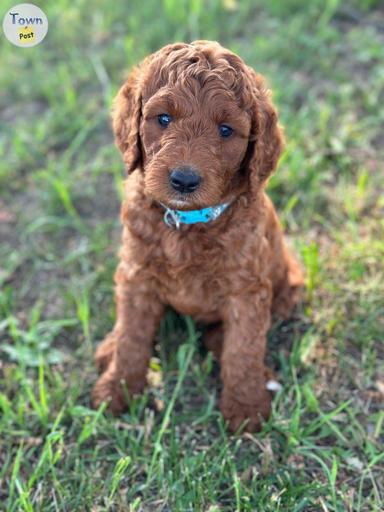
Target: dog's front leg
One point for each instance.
(125, 353)
(245, 398)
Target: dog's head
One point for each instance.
(199, 123)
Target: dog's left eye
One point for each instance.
(164, 120)
(225, 131)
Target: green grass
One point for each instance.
(60, 182)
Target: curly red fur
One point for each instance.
(234, 271)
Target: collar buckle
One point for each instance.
(171, 218)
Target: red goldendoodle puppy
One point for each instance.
(199, 136)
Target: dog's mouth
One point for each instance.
(183, 201)
(189, 202)
(180, 202)
(162, 193)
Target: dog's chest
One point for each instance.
(194, 290)
(196, 274)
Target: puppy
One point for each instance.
(199, 137)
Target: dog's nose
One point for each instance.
(184, 180)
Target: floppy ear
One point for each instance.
(126, 114)
(266, 140)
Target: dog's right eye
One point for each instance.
(164, 120)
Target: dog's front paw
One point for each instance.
(248, 415)
(109, 389)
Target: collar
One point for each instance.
(173, 218)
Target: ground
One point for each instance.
(61, 183)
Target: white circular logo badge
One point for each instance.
(25, 25)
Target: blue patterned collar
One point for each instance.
(174, 218)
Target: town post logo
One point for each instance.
(25, 25)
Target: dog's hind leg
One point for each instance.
(104, 352)
(288, 290)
